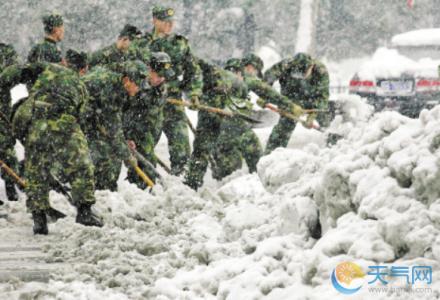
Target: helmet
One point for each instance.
(160, 62)
(135, 70)
(234, 65)
(254, 60)
(77, 60)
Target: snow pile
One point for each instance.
(373, 199)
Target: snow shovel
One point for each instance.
(214, 110)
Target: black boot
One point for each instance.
(40, 222)
(54, 214)
(11, 193)
(86, 217)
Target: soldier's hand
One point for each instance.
(195, 103)
(296, 110)
(261, 102)
(310, 123)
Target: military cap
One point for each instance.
(234, 64)
(255, 61)
(136, 70)
(160, 62)
(51, 21)
(8, 55)
(77, 60)
(130, 31)
(163, 13)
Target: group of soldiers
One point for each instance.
(86, 114)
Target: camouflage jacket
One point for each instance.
(107, 55)
(46, 51)
(223, 89)
(144, 112)
(103, 113)
(187, 73)
(266, 92)
(308, 90)
(58, 91)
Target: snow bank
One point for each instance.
(373, 199)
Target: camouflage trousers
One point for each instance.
(176, 130)
(280, 135)
(282, 132)
(57, 150)
(145, 140)
(208, 130)
(7, 155)
(107, 156)
(235, 142)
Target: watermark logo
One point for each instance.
(344, 278)
(348, 278)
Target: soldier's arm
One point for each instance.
(274, 73)
(192, 76)
(266, 92)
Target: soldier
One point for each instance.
(56, 148)
(117, 52)
(143, 115)
(47, 50)
(252, 73)
(237, 139)
(109, 91)
(305, 80)
(187, 78)
(8, 57)
(222, 141)
(218, 87)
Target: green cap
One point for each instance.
(255, 61)
(130, 31)
(163, 13)
(8, 55)
(234, 64)
(160, 62)
(76, 60)
(136, 70)
(51, 21)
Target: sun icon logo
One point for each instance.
(345, 275)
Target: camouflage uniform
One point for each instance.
(103, 125)
(237, 139)
(307, 82)
(227, 139)
(143, 116)
(217, 86)
(8, 57)
(47, 50)
(55, 145)
(143, 121)
(187, 78)
(111, 54)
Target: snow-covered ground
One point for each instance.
(375, 194)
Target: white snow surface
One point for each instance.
(376, 194)
(421, 37)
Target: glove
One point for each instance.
(296, 110)
(195, 103)
(261, 102)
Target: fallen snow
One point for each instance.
(375, 193)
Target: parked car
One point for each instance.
(403, 77)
